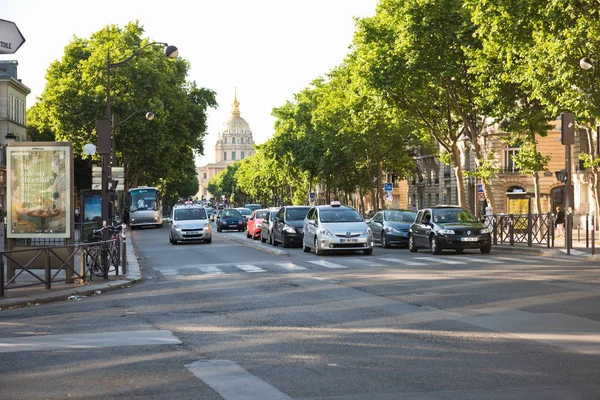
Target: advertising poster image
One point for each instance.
(39, 183)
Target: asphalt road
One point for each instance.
(237, 319)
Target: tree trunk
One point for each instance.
(487, 187)
(537, 201)
(380, 200)
(458, 173)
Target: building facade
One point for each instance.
(235, 143)
(13, 106)
(512, 190)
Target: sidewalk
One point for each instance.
(61, 291)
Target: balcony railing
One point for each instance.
(509, 170)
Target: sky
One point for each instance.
(266, 50)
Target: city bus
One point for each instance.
(145, 207)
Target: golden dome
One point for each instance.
(236, 124)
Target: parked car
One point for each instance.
(254, 223)
(189, 223)
(246, 213)
(336, 228)
(448, 227)
(391, 226)
(230, 219)
(253, 206)
(287, 225)
(267, 225)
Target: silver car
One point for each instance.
(336, 228)
(189, 223)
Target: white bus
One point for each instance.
(145, 207)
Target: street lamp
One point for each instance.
(586, 63)
(104, 129)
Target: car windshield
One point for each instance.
(453, 215)
(296, 214)
(261, 214)
(231, 213)
(340, 215)
(400, 216)
(190, 214)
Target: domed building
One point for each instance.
(235, 143)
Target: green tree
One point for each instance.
(152, 152)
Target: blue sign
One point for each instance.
(480, 188)
(387, 186)
(312, 197)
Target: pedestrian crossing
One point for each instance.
(356, 263)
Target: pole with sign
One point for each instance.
(10, 37)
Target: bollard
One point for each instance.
(587, 230)
(593, 236)
(124, 249)
(2, 276)
(578, 233)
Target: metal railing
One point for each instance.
(521, 228)
(59, 259)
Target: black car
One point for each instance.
(391, 226)
(287, 225)
(230, 219)
(448, 227)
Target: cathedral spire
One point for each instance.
(236, 104)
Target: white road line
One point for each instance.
(399, 261)
(575, 252)
(210, 270)
(370, 264)
(87, 340)
(289, 266)
(440, 260)
(168, 272)
(327, 264)
(517, 260)
(250, 268)
(233, 382)
(483, 260)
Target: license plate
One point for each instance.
(469, 239)
(233, 226)
(192, 233)
(348, 240)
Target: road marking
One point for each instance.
(168, 272)
(87, 340)
(405, 262)
(440, 260)
(210, 270)
(250, 268)
(575, 252)
(365, 263)
(483, 260)
(561, 330)
(289, 266)
(233, 382)
(327, 264)
(518, 260)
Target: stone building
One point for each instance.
(512, 189)
(235, 143)
(13, 95)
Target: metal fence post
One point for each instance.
(2, 275)
(48, 270)
(82, 262)
(511, 230)
(529, 230)
(587, 230)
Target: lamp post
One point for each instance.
(104, 130)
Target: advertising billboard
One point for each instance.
(39, 186)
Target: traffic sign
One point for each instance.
(389, 197)
(480, 188)
(10, 37)
(387, 186)
(312, 197)
(481, 196)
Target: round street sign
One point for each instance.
(10, 37)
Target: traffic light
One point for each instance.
(561, 175)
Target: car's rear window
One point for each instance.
(190, 214)
(296, 213)
(400, 216)
(261, 214)
(231, 213)
(453, 215)
(340, 215)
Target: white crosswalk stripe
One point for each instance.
(483, 260)
(169, 272)
(401, 261)
(327, 264)
(211, 270)
(440, 260)
(250, 268)
(289, 266)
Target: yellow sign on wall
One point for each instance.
(518, 206)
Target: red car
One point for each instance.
(254, 223)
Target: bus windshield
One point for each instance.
(144, 199)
